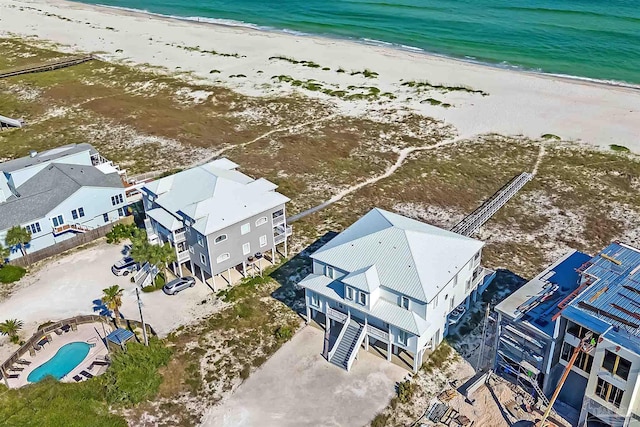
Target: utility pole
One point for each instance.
(144, 327)
(484, 331)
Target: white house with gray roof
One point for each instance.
(59, 193)
(391, 282)
(217, 218)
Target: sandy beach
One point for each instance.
(502, 101)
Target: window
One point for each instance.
(57, 220)
(105, 217)
(349, 292)
(455, 280)
(245, 228)
(263, 241)
(116, 200)
(404, 302)
(363, 298)
(616, 365)
(77, 213)
(584, 360)
(246, 249)
(121, 212)
(314, 299)
(200, 240)
(467, 285)
(579, 331)
(329, 271)
(609, 393)
(261, 221)
(221, 238)
(74, 214)
(33, 228)
(223, 257)
(402, 337)
(203, 259)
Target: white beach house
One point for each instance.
(391, 282)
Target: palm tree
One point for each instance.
(18, 236)
(112, 298)
(4, 254)
(142, 251)
(11, 327)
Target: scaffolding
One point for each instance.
(481, 215)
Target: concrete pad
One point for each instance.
(298, 387)
(73, 284)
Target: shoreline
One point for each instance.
(231, 24)
(475, 98)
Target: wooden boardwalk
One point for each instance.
(47, 66)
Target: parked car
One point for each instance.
(179, 284)
(125, 266)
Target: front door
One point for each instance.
(57, 221)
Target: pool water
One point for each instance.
(65, 360)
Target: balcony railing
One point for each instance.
(77, 228)
(278, 219)
(282, 234)
(179, 237)
(183, 256)
(336, 315)
(377, 333)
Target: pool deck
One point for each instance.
(89, 333)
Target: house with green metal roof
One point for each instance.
(59, 193)
(394, 283)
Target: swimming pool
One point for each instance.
(65, 360)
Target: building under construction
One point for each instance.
(542, 323)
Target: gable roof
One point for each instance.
(214, 195)
(365, 279)
(48, 188)
(411, 257)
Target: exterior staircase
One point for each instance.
(348, 342)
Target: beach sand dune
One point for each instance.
(511, 102)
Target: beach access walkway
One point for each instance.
(46, 66)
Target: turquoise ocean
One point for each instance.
(595, 39)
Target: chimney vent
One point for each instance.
(33, 153)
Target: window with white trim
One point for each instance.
(57, 220)
(263, 241)
(117, 199)
(349, 292)
(223, 257)
(34, 228)
(261, 221)
(203, 259)
(363, 298)
(201, 240)
(246, 249)
(77, 213)
(315, 300)
(404, 302)
(402, 337)
(245, 228)
(221, 238)
(329, 271)
(105, 217)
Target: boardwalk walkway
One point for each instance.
(47, 66)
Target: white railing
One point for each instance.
(336, 315)
(377, 333)
(180, 237)
(282, 234)
(183, 256)
(356, 347)
(342, 332)
(145, 275)
(278, 219)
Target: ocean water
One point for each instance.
(587, 38)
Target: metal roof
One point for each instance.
(382, 309)
(411, 257)
(214, 195)
(166, 219)
(45, 156)
(40, 194)
(120, 336)
(614, 293)
(365, 279)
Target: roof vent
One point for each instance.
(33, 153)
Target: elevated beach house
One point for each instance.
(218, 219)
(393, 283)
(59, 193)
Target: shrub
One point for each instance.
(283, 333)
(214, 72)
(133, 375)
(245, 372)
(405, 391)
(11, 273)
(149, 289)
(551, 136)
(616, 147)
(159, 281)
(326, 69)
(120, 232)
(340, 70)
(380, 420)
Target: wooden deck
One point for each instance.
(48, 66)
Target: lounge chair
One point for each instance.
(37, 347)
(66, 328)
(77, 378)
(16, 368)
(13, 376)
(58, 331)
(86, 374)
(101, 363)
(23, 362)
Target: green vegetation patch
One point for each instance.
(418, 85)
(11, 273)
(620, 148)
(309, 64)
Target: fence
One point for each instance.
(73, 322)
(65, 245)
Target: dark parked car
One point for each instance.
(125, 266)
(177, 285)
